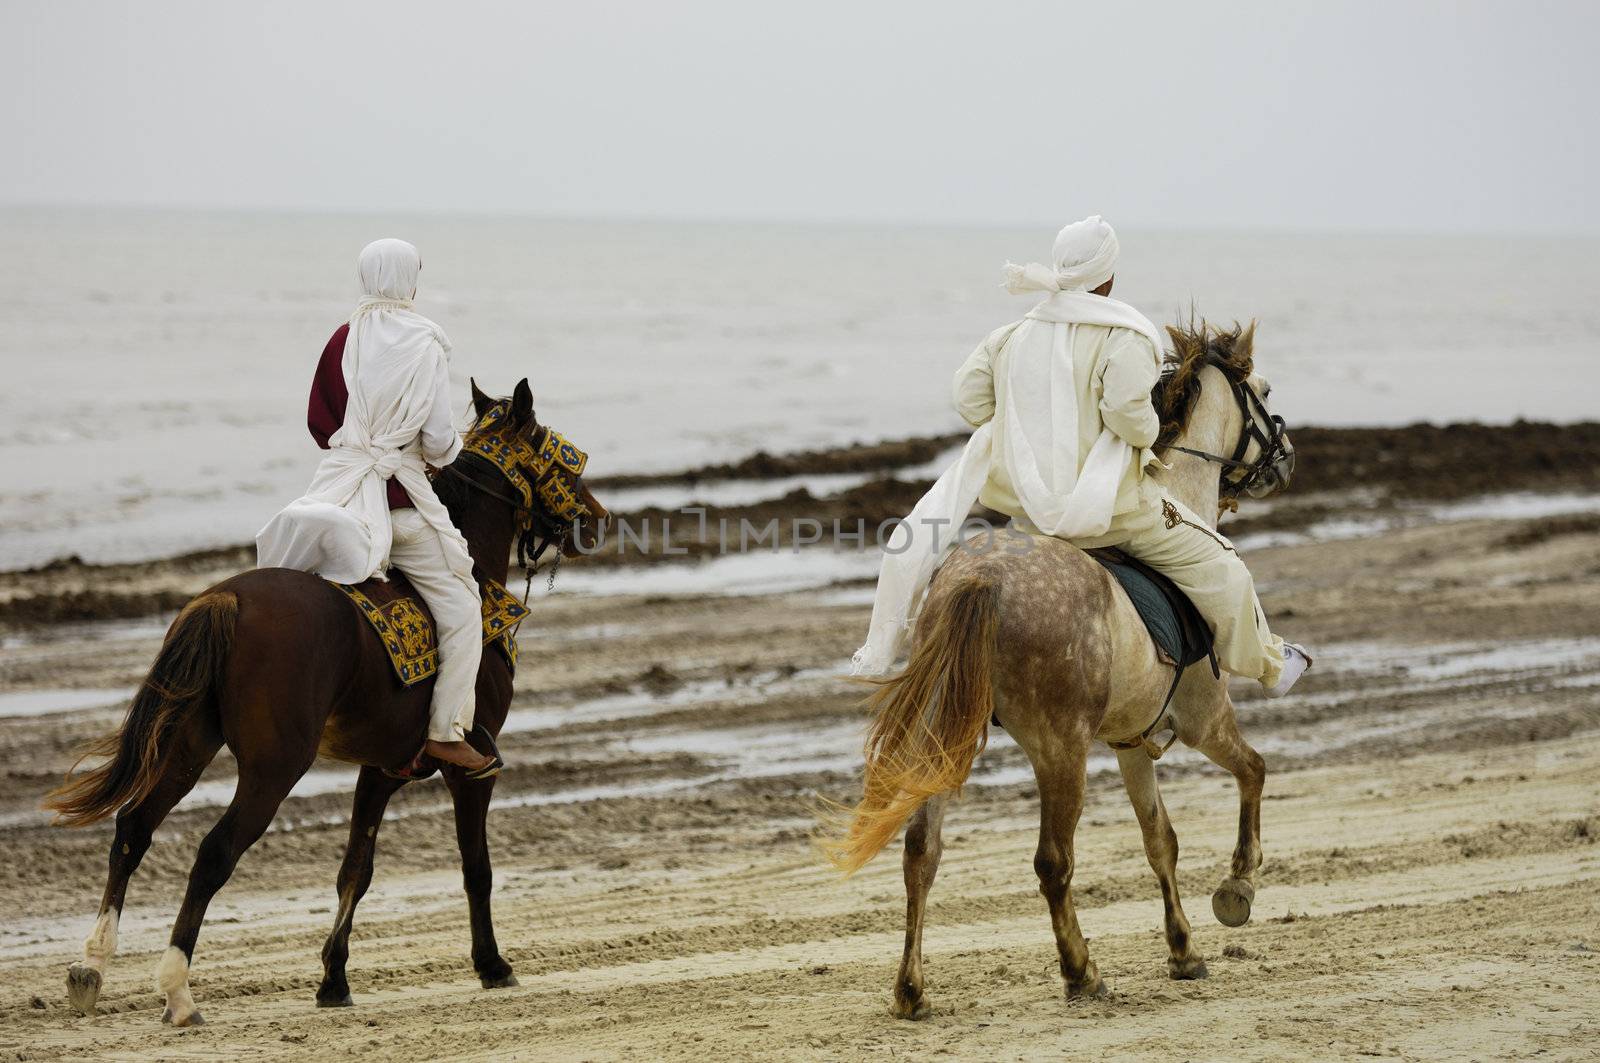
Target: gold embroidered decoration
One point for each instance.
(545, 471)
(502, 613)
(407, 632)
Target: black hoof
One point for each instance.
(1187, 970)
(501, 981)
(194, 1019)
(83, 988)
(335, 1002)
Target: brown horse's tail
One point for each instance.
(181, 682)
(930, 722)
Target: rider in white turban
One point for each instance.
(350, 526)
(1061, 401)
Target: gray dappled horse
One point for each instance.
(1043, 641)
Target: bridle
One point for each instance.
(1238, 475)
(542, 474)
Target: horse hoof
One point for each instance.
(83, 988)
(912, 1010)
(1188, 970)
(504, 981)
(336, 1002)
(1087, 990)
(1231, 902)
(194, 1018)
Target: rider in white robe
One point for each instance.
(397, 421)
(1062, 405)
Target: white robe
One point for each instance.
(1036, 440)
(397, 372)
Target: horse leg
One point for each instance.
(256, 797)
(1061, 785)
(373, 790)
(1161, 847)
(1226, 747)
(193, 749)
(472, 812)
(924, 846)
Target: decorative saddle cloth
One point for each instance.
(405, 627)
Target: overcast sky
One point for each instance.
(1324, 115)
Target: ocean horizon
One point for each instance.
(162, 357)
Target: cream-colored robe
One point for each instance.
(1114, 370)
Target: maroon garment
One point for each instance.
(329, 396)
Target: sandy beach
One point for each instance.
(1431, 869)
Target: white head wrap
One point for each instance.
(388, 270)
(1085, 256)
(384, 319)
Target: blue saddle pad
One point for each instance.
(1176, 626)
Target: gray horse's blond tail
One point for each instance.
(930, 722)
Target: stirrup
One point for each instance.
(419, 767)
(491, 769)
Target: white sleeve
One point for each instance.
(440, 440)
(1130, 370)
(973, 386)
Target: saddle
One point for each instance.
(1180, 633)
(405, 627)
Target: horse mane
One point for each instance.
(1194, 346)
(454, 493)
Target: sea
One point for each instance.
(156, 363)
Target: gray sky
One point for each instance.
(1416, 116)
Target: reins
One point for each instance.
(535, 535)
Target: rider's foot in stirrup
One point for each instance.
(1295, 663)
(459, 753)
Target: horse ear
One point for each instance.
(522, 405)
(480, 401)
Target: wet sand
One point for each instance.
(1429, 889)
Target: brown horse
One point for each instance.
(281, 667)
(1047, 643)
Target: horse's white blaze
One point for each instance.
(172, 979)
(101, 944)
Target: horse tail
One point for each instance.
(181, 682)
(930, 722)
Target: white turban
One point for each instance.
(1085, 256)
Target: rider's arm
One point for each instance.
(440, 440)
(1131, 371)
(325, 408)
(974, 382)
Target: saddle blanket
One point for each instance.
(405, 627)
(1175, 625)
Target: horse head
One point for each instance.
(1213, 405)
(538, 471)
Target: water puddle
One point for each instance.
(24, 703)
(756, 572)
(1514, 506)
